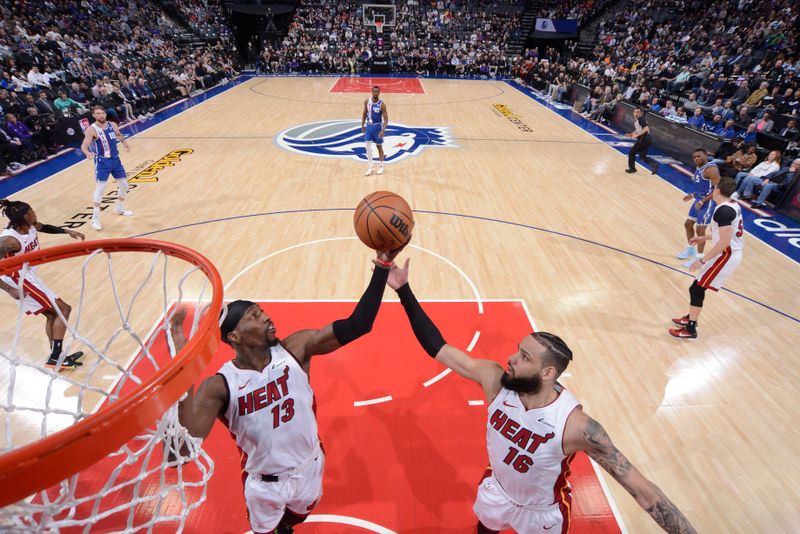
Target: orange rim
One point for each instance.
(41, 464)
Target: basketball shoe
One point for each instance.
(683, 333)
(681, 321)
(120, 210)
(369, 171)
(70, 362)
(689, 252)
(380, 170)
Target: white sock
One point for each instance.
(692, 250)
(95, 212)
(369, 153)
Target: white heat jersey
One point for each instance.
(525, 448)
(271, 414)
(28, 242)
(737, 241)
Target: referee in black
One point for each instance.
(642, 135)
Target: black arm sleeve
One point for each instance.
(50, 229)
(724, 216)
(427, 334)
(363, 316)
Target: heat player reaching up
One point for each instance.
(263, 396)
(535, 428)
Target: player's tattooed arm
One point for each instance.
(599, 447)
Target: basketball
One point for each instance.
(383, 221)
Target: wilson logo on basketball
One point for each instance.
(398, 223)
(344, 139)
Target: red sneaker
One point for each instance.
(683, 321)
(682, 333)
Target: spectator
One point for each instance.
(10, 151)
(78, 95)
(790, 132)
(66, 105)
(749, 135)
(20, 133)
(36, 79)
(44, 106)
(758, 95)
(727, 131)
(668, 110)
(697, 120)
(655, 107)
(727, 112)
(727, 150)
(765, 124)
(744, 115)
(715, 125)
(691, 104)
(741, 161)
(771, 164)
(108, 102)
(769, 183)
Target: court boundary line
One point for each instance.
(478, 218)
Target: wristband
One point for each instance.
(384, 264)
(702, 262)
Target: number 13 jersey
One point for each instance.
(271, 414)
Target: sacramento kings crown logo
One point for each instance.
(343, 139)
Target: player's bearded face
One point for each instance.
(530, 384)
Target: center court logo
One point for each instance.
(343, 139)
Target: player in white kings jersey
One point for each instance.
(265, 399)
(534, 429)
(20, 237)
(727, 231)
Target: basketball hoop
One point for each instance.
(379, 27)
(133, 425)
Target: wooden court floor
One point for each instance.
(532, 208)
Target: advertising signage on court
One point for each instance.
(146, 172)
(512, 117)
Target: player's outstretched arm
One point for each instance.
(307, 343)
(584, 433)
(487, 373)
(51, 229)
(198, 412)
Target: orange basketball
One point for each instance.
(383, 221)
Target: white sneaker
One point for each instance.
(380, 169)
(122, 211)
(96, 224)
(735, 195)
(369, 172)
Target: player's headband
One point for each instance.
(231, 315)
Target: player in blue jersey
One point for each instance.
(373, 124)
(705, 178)
(100, 145)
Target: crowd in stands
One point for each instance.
(60, 57)
(205, 17)
(453, 37)
(732, 75)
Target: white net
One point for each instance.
(121, 306)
